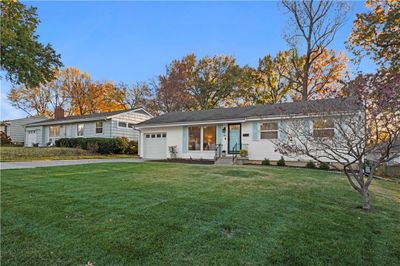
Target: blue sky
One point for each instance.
(133, 41)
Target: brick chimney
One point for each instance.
(58, 112)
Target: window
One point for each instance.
(323, 128)
(158, 135)
(153, 136)
(269, 130)
(121, 124)
(79, 130)
(209, 138)
(147, 136)
(194, 138)
(99, 127)
(54, 131)
(130, 125)
(164, 135)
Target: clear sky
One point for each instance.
(133, 41)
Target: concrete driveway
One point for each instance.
(34, 164)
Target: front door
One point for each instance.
(234, 139)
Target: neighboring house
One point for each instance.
(4, 126)
(200, 134)
(101, 125)
(15, 129)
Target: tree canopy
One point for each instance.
(24, 59)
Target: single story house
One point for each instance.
(199, 134)
(101, 125)
(15, 128)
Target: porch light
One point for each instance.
(224, 130)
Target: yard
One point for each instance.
(163, 214)
(12, 154)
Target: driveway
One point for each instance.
(34, 164)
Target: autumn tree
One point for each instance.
(376, 33)
(33, 101)
(314, 25)
(371, 133)
(25, 60)
(140, 94)
(171, 88)
(265, 84)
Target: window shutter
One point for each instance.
(256, 131)
(283, 130)
(219, 134)
(185, 139)
(307, 127)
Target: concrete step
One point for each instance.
(228, 160)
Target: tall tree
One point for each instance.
(376, 33)
(33, 101)
(314, 24)
(172, 87)
(266, 84)
(215, 80)
(25, 60)
(137, 95)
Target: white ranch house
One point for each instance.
(101, 125)
(209, 133)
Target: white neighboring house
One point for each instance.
(99, 125)
(203, 134)
(15, 129)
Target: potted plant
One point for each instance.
(243, 153)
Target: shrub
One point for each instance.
(132, 147)
(281, 162)
(266, 162)
(243, 153)
(100, 145)
(324, 166)
(4, 138)
(311, 165)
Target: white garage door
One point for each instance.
(155, 145)
(31, 138)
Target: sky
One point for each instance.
(134, 41)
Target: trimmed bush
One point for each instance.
(266, 162)
(100, 145)
(324, 166)
(281, 162)
(311, 165)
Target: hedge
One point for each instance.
(100, 145)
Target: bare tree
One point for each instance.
(316, 23)
(347, 139)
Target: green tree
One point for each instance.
(376, 33)
(24, 59)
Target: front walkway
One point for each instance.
(34, 164)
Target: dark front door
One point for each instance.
(234, 139)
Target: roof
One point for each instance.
(84, 118)
(256, 111)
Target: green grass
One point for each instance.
(10, 154)
(169, 214)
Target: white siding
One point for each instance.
(16, 129)
(128, 117)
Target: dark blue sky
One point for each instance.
(133, 41)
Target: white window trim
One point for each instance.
(59, 132)
(201, 139)
(269, 130)
(122, 122)
(324, 128)
(77, 130)
(102, 127)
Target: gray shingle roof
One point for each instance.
(80, 118)
(290, 108)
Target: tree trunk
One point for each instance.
(365, 197)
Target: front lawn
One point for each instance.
(163, 214)
(14, 154)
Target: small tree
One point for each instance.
(347, 139)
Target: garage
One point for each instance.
(31, 138)
(155, 145)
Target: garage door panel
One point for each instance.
(155, 145)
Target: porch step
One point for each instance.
(227, 160)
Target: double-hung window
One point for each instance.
(202, 138)
(194, 138)
(54, 131)
(323, 128)
(99, 127)
(269, 130)
(79, 130)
